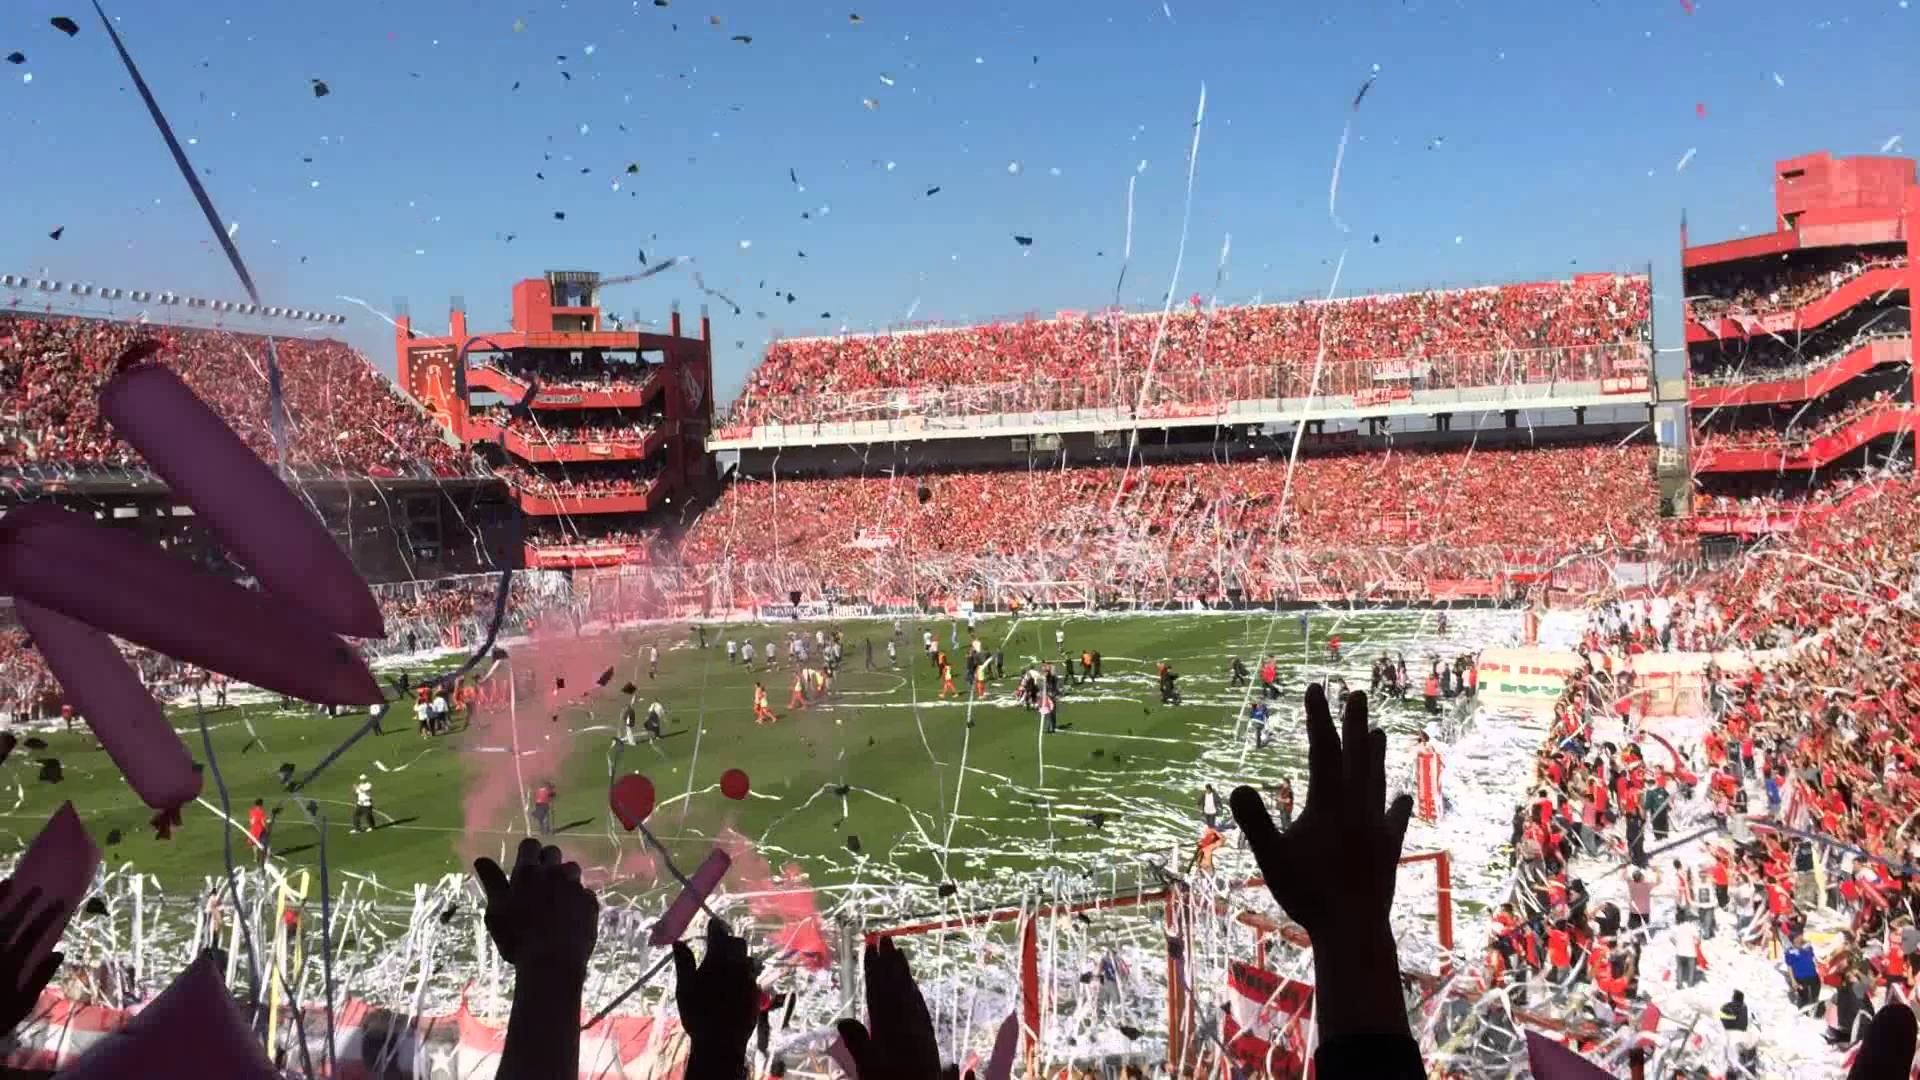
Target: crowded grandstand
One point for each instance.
(1080, 658)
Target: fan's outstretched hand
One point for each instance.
(1333, 870)
(1887, 1051)
(719, 1002)
(897, 1042)
(542, 914)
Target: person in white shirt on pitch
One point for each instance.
(363, 804)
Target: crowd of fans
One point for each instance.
(1807, 768)
(633, 478)
(1796, 432)
(1765, 359)
(1588, 327)
(1171, 530)
(1784, 288)
(553, 428)
(343, 417)
(584, 531)
(591, 369)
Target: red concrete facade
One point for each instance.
(624, 441)
(1807, 328)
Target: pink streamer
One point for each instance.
(699, 886)
(108, 695)
(60, 863)
(239, 498)
(113, 581)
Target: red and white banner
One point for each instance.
(1381, 395)
(371, 1042)
(1265, 1028)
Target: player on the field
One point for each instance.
(761, 714)
(363, 804)
(946, 677)
(543, 797)
(653, 661)
(980, 678)
(798, 698)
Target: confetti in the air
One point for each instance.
(321, 89)
(16, 58)
(932, 191)
(1687, 5)
(1686, 157)
(65, 25)
(1013, 168)
(886, 79)
(746, 245)
(56, 233)
(855, 19)
(633, 168)
(559, 215)
(1777, 80)
(519, 26)
(1023, 241)
(870, 103)
(1700, 109)
(1890, 145)
(744, 39)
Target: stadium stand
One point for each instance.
(1531, 332)
(1195, 529)
(344, 418)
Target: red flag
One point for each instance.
(1266, 1021)
(1030, 993)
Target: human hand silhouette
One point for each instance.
(719, 1002)
(542, 916)
(1886, 1053)
(20, 988)
(1333, 871)
(897, 1042)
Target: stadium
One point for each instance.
(960, 635)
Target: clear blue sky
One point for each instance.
(1501, 140)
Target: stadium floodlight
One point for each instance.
(7, 281)
(110, 292)
(47, 286)
(169, 298)
(141, 296)
(78, 289)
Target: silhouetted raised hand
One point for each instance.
(1333, 873)
(1887, 1051)
(719, 1003)
(896, 1042)
(542, 915)
(20, 988)
(545, 924)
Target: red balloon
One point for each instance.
(631, 799)
(733, 784)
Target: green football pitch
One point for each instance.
(933, 789)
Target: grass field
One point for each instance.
(1121, 778)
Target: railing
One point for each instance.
(1802, 382)
(1711, 323)
(1370, 382)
